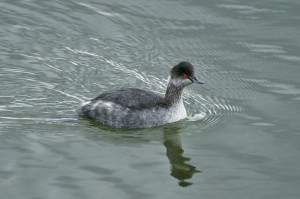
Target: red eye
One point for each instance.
(185, 76)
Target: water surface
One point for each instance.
(241, 139)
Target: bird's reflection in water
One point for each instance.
(180, 169)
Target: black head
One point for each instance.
(181, 69)
(184, 70)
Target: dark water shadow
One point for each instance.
(179, 166)
(180, 169)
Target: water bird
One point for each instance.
(137, 108)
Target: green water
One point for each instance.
(56, 54)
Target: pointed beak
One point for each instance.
(195, 80)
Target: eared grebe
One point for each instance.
(136, 108)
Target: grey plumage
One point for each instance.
(136, 108)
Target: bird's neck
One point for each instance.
(173, 94)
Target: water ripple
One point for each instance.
(263, 48)
(80, 60)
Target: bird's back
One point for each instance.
(131, 98)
